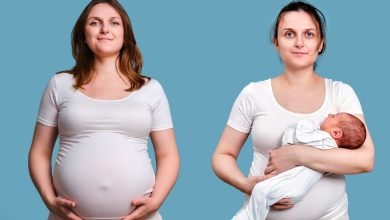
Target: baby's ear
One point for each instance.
(336, 133)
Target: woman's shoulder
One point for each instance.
(61, 82)
(151, 83)
(261, 83)
(338, 86)
(257, 87)
(337, 83)
(63, 77)
(151, 88)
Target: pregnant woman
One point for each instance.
(103, 111)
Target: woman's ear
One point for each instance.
(275, 41)
(321, 46)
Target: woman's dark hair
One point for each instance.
(130, 58)
(316, 14)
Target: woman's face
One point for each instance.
(298, 41)
(104, 31)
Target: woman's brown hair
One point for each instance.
(129, 59)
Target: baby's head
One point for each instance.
(348, 130)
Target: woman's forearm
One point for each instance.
(39, 161)
(338, 161)
(40, 172)
(167, 164)
(224, 161)
(166, 176)
(226, 168)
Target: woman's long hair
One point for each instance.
(129, 59)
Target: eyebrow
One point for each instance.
(98, 18)
(291, 29)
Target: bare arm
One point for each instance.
(167, 169)
(40, 161)
(338, 161)
(224, 161)
(39, 164)
(167, 163)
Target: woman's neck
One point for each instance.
(299, 77)
(106, 66)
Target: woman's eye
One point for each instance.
(289, 34)
(309, 34)
(115, 23)
(94, 23)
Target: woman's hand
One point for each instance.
(282, 159)
(167, 169)
(145, 206)
(63, 208)
(251, 181)
(283, 204)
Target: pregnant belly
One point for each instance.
(103, 177)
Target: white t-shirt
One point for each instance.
(256, 111)
(103, 162)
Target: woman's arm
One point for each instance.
(338, 161)
(224, 161)
(40, 161)
(40, 171)
(167, 169)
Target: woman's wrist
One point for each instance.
(50, 202)
(298, 155)
(243, 185)
(156, 202)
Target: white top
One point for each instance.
(256, 111)
(103, 162)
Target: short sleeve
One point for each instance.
(161, 115)
(348, 100)
(48, 109)
(241, 115)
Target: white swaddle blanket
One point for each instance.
(294, 183)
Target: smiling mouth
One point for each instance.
(104, 39)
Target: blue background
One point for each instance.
(204, 53)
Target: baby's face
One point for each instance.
(330, 122)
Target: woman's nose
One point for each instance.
(298, 42)
(104, 29)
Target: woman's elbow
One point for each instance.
(214, 162)
(218, 161)
(368, 165)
